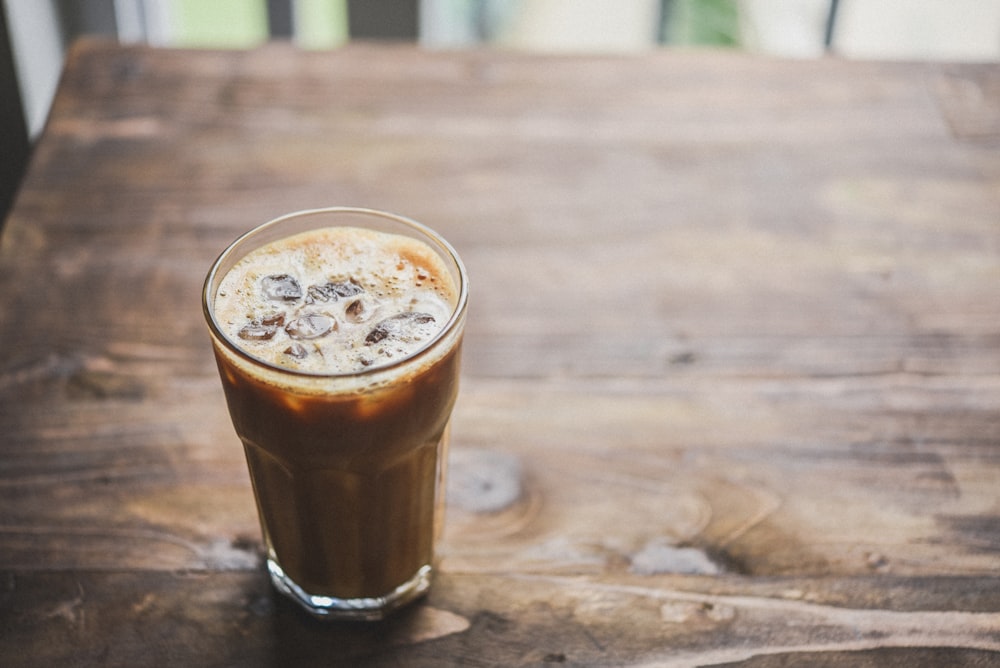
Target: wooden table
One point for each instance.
(731, 392)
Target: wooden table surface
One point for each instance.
(731, 389)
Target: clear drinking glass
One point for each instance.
(347, 468)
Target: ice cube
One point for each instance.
(331, 292)
(257, 330)
(409, 326)
(276, 319)
(296, 350)
(355, 311)
(310, 326)
(281, 288)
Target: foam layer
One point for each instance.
(336, 300)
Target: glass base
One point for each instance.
(357, 609)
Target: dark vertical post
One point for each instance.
(86, 17)
(663, 27)
(831, 24)
(279, 18)
(14, 144)
(383, 19)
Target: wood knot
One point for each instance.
(100, 385)
(483, 481)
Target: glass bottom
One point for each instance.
(357, 609)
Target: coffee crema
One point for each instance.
(336, 300)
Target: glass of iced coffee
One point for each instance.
(337, 334)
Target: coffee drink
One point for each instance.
(338, 348)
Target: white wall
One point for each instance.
(953, 30)
(788, 28)
(38, 56)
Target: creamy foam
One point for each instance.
(336, 300)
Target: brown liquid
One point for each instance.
(346, 486)
(347, 475)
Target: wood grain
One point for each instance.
(731, 388)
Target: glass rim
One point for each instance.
(430, 236)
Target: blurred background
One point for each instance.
(39, 31)
(35, 35)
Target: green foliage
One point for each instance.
(219, 23)
(702, 23)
